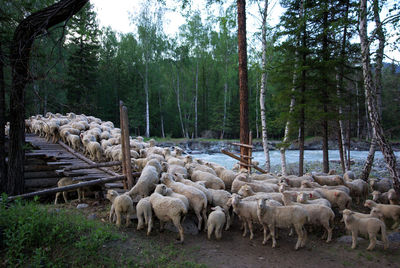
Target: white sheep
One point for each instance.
(247, 192)
(120, 204)
(335, 197)
(144, 214)
(64, 182)
(330, 180)
(216, 221)
(210, 180)
(168, 208)
(370, 226)
(380, 197)
(381, 185)
(247, 212)
(148, 178)
(303, 198)
(388, 211)
(282, 217)
(220, 199)
(197, 199)
(358, 188)
(200, 186)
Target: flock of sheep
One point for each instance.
(172, 185)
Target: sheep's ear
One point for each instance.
(213, 208)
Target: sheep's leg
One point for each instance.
(329, 230)
(249, 222)
(218, 232)
(161, 226)
(354, 235)
(244, 222)
(358, 200)
(118, 213)
(304, 240)
(199, 220)
(65, 197)
(372, 240)
(300, 234)
(204, 217)
(228, 220)
(79, 195)
(140, 221)
(272, 233)
(177, 223)
(291, 231)
(128, 218)
(111, 213)
(57, 195)
(265, 233)
(396, 223)
(210, 229)
(150, 225)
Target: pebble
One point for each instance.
(394, 237)
(79, 206)
(347, 239)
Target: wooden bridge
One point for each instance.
(48, 162)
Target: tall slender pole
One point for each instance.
(127, 149)
(121, 125)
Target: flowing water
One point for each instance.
(292, 156)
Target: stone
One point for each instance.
(346, 239)
(394, 237)
(92, 216)
(80, 206)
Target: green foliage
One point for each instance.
(45, 236)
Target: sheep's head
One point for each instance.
(111, 195)
(217, 208)
(164, 166)
(245, 190)
(188, 159)
(166, 178)
(346, 214)
(369, 204)
(261, 205)
(305, 184)
(142, 153)
(161, 189)
(235, 199)
(166, 152)
(376, 212)
(302, 197)
(152, 143)
(376, 195)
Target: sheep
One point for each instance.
(282, 217)
(64, 182)
(211, 180)
(171, 169)
(220, 199)
(388, 211)
(197, 199)
(382, 185)
(120, 204)
(191, 167)
(216, 221)
(226, 175)
(183, 198)
(248, 194)
(337, 187)
(393, 198)
(318, 214)
(379, 197)
(93, 148)
(330, 180)
(358, 188)
(168, 208)
(264, 177)
(370, 226)
(336, 197)
(294, 181)
(199, 186)
(247, 212)
(73, 141)
(148, 178)
(144, 214)
(349, 176)
(257, 186)
(303, 198)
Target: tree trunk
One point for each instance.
(370, 96)
(378, 87)
(179, 103)
(146, 91)
(161, 114)
(23, 39)
(256, 111)
(3, 171)
(302, 92)
(264, 86)
(195, 99)
(325, 96)
(225, 98)
(340, 145)
(243, 90)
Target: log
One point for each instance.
(121, 123)
(253, 166)
(40, 174)
(33, 168)
(230, 154)
(243, 145)
(80, 156)
(97, 165)
(68, 187)
(41, 183)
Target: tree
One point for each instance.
(23, 39)
(370, 95)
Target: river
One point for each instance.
(292, 156)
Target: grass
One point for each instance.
(37, 235)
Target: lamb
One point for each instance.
(330, 180)
(144, 213)
(303, 198)
(120, 204)
(168, 208)
(148, 178)
(216, 221)
(370, 226)
(318, 214)
(247, 212)
(358, 188)
(248, 194)
(220, 199)
(379, 197)
(335, 197)
(388, 211)
(197, 199)
(210, 180)
(64, 182)
(282, 217)
(382, 185)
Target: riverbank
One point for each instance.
(206, 146)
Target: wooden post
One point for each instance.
(121, 123)
(126, 148)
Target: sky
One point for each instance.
(117, 14)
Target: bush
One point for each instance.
(44, 236)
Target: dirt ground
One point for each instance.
(236, 251)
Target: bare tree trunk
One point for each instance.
(23, 39)
(179, 103)
(358, 112)
(378, 87)
(195, 99)
(256, 110)
(243, 90)
(370, 96)
(146, 91)
(325, 56)
(225, 99)
(3, 167)
(264, 87)
(302, 92)
(161, 114)
(340, 145)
